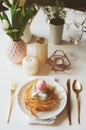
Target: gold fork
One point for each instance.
(12, 91)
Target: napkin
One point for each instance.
(41, 121)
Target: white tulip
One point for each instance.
(11, 1)
(4, 5)
(5, 24)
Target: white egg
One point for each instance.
(43, 96)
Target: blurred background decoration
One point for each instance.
(67, 3)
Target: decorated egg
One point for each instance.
(41, 86)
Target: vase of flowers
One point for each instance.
(56, 17)
(20, 13)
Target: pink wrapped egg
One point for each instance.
(41, 86)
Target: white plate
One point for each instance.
(44, 115)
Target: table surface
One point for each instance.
(11, 72)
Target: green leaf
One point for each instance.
(23, 12)
(0, 17)
(15, 16)
(22, 28)
(9, 31)
(15, 3)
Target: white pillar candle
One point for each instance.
(42, 50)
(30, 65)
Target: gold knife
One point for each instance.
(69, 101)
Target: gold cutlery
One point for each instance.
(69, 101)
(77, 89)
(12, 91)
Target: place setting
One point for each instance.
(45, 101)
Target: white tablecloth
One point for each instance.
(10, 72)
